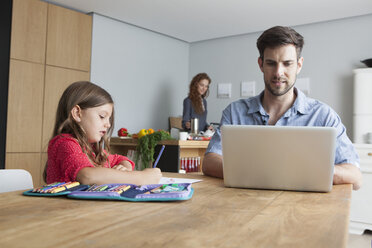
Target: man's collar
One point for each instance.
(300, 104)
(255, 105)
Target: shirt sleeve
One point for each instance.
(215, 145)
(116, 159)
(345, 150)
(72, 159)
(186, 115)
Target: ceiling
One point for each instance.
(197, 20)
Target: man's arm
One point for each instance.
(347, 173)
(212, 165)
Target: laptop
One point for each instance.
(278, 157)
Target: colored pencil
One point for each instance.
(64, 187)
(159, 155)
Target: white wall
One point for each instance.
(145, 72)
(332, 50)
(148, 73)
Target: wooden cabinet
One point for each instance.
(69, 38)
(29, 24)
(27, 161)
(361, 201)
(25, 98)
(50, 49)
(56, 81)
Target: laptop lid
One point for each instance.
(278, 157)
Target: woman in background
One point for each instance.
(195, 105)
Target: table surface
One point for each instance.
(214, 217)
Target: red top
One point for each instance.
(66, 159)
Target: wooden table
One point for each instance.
(214, 217)
(181, 148)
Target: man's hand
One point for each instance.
(347, 173)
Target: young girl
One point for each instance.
(195, 105)
(79, 148)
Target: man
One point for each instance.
(281, 104)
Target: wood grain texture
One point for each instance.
(29, 25)
(215, 217)
(26, 161)
(69, 38)
(44, 158)
(25, 98)
(56, 81)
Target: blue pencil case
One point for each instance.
(130, 192)
(121, 192)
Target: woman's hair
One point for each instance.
(85, 95)
(279, 36)
(195, 97)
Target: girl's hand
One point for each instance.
(123, 166)
(188, 125)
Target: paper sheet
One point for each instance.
(165, 180)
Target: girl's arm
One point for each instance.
(119, 161)
(101, 175)
(123, 166)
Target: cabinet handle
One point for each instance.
(370, 154)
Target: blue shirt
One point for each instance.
(304, 112)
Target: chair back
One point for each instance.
(175, 122)
(15, 179)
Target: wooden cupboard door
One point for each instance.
(29, 24)
(69, 38)
(56, 81)
(25, 99)
(26, 161)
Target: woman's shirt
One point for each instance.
(66, 158)
(189, 113)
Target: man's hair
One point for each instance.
(279, 36)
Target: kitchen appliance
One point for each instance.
(194, 126)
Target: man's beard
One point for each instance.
(279, 92)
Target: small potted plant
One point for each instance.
(147, 140)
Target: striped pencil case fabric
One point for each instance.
(119, 192)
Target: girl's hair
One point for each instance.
(85, 95)
(195, 97)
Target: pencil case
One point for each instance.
(62, 189)
(121, 192)
(130, 192)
